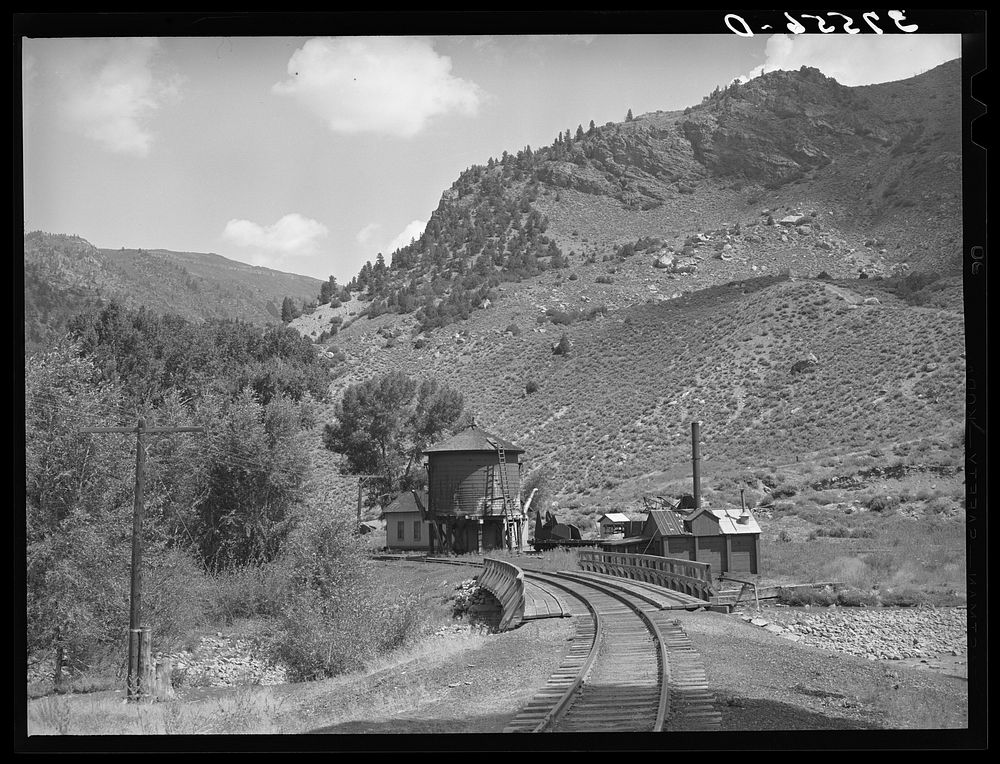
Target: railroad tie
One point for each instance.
(692, 703)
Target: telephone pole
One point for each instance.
(136, 634)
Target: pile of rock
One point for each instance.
(222, 662)
(475, 603)
(876, 634)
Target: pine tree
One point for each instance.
(591, 128)
(629, 117)
(579, 131)
(288, 311)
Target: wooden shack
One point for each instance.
(614, 525)
(727, 539)
(474, 493)
(406, 524)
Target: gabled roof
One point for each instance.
(408, 501)
(664, 522)
(615, 517)
(473, 438)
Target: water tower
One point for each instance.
(474, 493)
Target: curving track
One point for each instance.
(630, 667)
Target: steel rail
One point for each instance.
(548, 710)
(602, 715)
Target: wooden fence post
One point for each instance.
(146, 668)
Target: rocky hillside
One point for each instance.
(66, 274)
(882, 163)
(780, 262)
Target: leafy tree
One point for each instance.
(384, 423)
(78, 520)
(250, 479)
(149, 355)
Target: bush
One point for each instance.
(602, 279)
(245, 592)
(513, 329)
(883, 504)
(856, 598)
(562, 347)
(800, 597)
(906, 597)
(531, 387)
(333, 615)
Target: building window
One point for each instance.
(399, 529)
(416, 530)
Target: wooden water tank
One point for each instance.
(463, 475)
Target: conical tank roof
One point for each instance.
(472, 438)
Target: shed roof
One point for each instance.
(728, 520)
(664, 522)
(473, 438)
(408, 501)
(615, 517)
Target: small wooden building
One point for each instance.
(612, 524)
(406, 524)
(616, 525)
(729, 540)
(474, 493)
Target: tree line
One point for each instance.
(238, 521)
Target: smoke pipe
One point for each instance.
(696, 461)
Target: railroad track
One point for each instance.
(630, 666)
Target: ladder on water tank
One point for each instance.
(508, 505)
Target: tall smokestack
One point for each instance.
(696, 461)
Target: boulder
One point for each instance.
(804, 230)
(664, 261)
(794, 220)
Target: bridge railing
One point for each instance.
(505, 582)
(686, 576)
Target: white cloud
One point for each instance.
(389, 85)
(412, 231)
(294, 236)
(367, 234)
(861, 59)
(107, 91)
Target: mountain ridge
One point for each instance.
(66, 274)
(795, 283)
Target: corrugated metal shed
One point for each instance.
(473, 439)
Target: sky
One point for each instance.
(311, 155)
